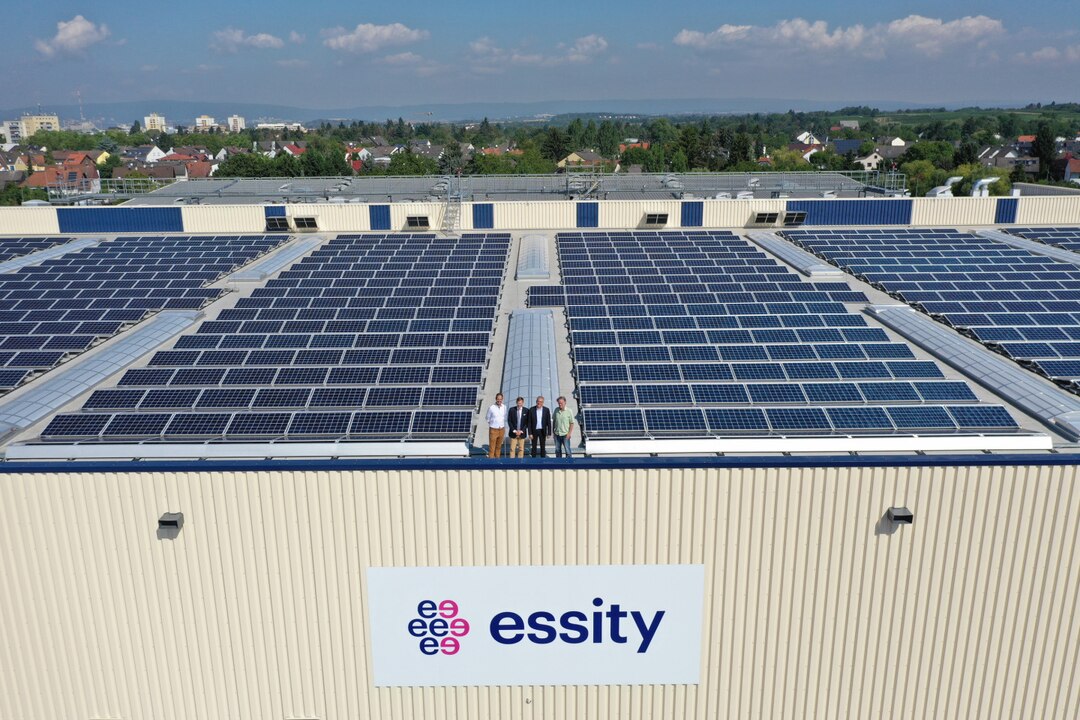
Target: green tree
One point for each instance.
(106, 168)
(136, 128)
(452, 160)
(554, 145)
(1045, 148)
(679, 161)
(607, 140)
(922, 175)
(576, 134)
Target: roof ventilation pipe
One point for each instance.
(944, 190)
(981, 188)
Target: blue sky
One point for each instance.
(330, 54)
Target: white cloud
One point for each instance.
(405, 58)
(292, 63)
(297, 38)
(1051, 55)
(149, 68)
(231, 40)
(487, 57)
(585, 48)
(72, 36)
(924, 35)
(367, 37)
(719, 36)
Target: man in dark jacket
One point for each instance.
(517, 424)
(539, 426)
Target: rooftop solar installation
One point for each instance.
(701, 334)
(13, 247)
(1067, 238)
(55, 310)
(1019, 303)
(371, 337)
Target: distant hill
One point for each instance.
(185, 112)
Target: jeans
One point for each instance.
(562, 441)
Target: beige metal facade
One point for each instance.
(812, 609)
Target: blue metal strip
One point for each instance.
(120, 220)
(853, 212)
(693, 214)
(483, 216)
(588, 215)
(380, 217)
(275, 211)
(1005, 212)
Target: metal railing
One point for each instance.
(486, 187)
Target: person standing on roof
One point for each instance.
(496, 420)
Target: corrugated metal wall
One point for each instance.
(1048, 211)
(946, 212)
(28, 221)
(544, 215)
(630, 214)
(813, 609)
(736, 213)
(224, 218)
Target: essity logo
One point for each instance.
(438, 626)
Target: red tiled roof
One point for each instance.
(1026, 139)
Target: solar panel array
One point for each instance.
(1021, 304)
(700, 334)
(377, 336)
(60, 308)
(1067, 238)
(15, 247)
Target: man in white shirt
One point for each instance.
(496, 420)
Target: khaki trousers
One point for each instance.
(495, 441)
(517, 446)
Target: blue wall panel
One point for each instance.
(588, 215)
(1005, 212)
(120, 220)
(275, 211)
(380, 217)
(483, 216)
(693, 214)
(853, 212)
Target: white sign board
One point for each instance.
(538, 625)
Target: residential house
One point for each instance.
(891, 141)
(1072, 169)
(11, 177)
(13, 161)
(891, 153)
(82, 176)
(807, 138)
(806, 149)
(499, 150)
(582, 158)
(266, 147)
(293, 149)
(142, 153)
(380, 154)
(227, 152)
(849, 125)
(873, 161)
(1025, 143)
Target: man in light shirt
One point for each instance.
(563, 427)
(496, 420)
